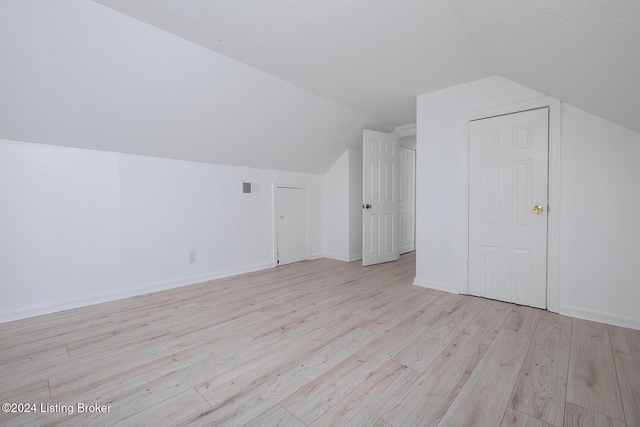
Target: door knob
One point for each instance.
(538, 209)
(367, 206)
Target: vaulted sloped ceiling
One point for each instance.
(375, 56)
(584, 52)
(305, 75)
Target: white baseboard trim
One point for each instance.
(27, 312)
(316, 256)
(599, 316)
(355, 257)
(337, 257)
(436, 285)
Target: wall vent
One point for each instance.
(246, 188)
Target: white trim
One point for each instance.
(405, 130)
(342, 258)
(338, 257)
(436, 285)
(275, 219)
(553, 224)
(132, 292)
(599, 316)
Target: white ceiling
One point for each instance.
(375, 56)
(290, 84)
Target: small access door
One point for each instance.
(291, 220)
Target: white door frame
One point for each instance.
(553, 224)
(410, 130)
(413, 201)
(275, 218)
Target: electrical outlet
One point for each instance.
(192, 257)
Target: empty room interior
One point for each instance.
(319, 213)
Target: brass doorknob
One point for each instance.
(538, 209)
(367, 206)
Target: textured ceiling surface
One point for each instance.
(375, 56)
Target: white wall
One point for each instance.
(598, 250)
(355, 204)
(82, 226)
(336, 215)
(76, 73)
(600, 232)
(343, 208)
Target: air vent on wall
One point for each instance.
(246, 188)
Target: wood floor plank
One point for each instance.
(427, 347)
(629, 379)
(243, 407)
(633, 339)
(427, 400)
(555, 317)
(366, 404)
(592, 381)
(494, 315)
(36, 392)
(188, 356)
(523, 319)
(619, 343)
(34, 361)
(318, 396)
(148, 365)
(484, 397)
(242, 377)
(173, 411)
(541, 387)
(577, 416)
(138, 399)
(276, 416)
(513, 418)
(442, 308)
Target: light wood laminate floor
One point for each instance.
(319, 343)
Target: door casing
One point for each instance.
(407, 199)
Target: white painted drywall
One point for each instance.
(343, 208)
(600, 232)
(336, 215)
(82, 226)
(598, 244)
(355, 204)
(76, 73)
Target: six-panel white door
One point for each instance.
(508, 175)
(291, 211)
(380, 198)
(406, 216)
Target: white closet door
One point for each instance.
(508, 174)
